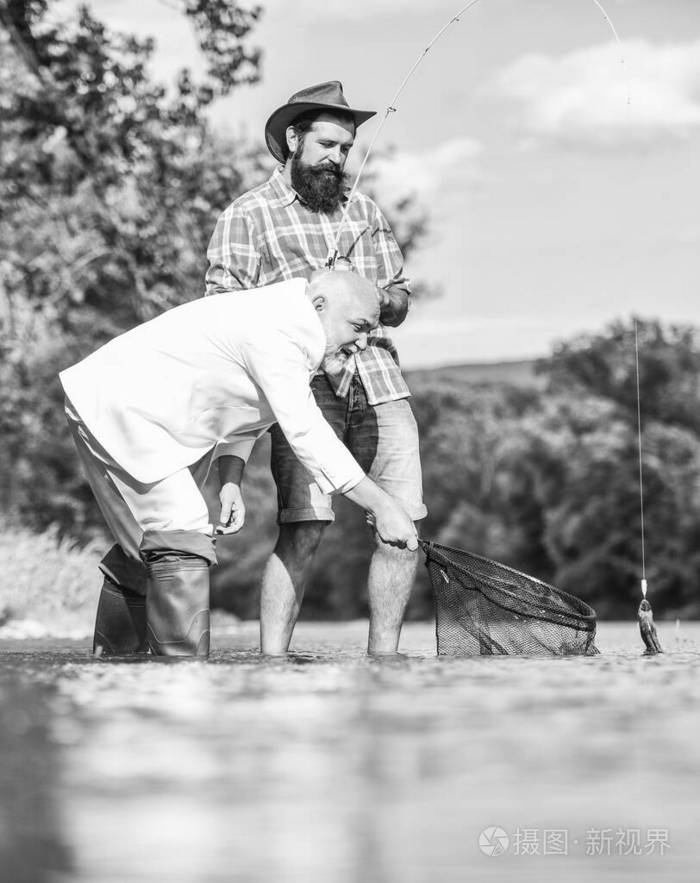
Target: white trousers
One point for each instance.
(131, 508)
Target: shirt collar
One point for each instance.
(283, 193)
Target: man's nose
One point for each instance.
(361, 342)
(334, 154)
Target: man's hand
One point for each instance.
(232, 509)
(390, 521)
(393, 305)
(394, 527)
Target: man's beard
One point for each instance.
(321, 188)
(334, 363)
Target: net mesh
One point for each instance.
(485, 608)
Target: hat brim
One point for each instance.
(277, 124)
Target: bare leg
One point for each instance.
(283, 583)
(391, 575)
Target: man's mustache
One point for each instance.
(328, 166)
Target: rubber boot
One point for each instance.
(177, 606)
(120, 624)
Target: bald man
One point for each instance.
(153, 409)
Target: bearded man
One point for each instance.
(286, 228)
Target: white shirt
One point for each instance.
(212, 375)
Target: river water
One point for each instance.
(328, 767)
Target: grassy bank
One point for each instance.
(47, 584)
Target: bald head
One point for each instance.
(348, 307)
(349, 287)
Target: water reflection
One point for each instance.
(33, 845)
(331, 767)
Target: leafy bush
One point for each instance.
(47, 579)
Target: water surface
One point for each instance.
(329, 767)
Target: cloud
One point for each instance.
(689, 236)
(425, 174)
(582, 97)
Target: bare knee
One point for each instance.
(299, 540)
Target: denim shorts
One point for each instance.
(382, 438)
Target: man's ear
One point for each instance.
(292, 139)
(320, 303)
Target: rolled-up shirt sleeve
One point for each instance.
(390, 267)
(281, 370)
(239, 446)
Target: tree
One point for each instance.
(109, 184)
(604, 365)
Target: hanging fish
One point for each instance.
(647, 629)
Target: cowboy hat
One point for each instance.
(324, 96)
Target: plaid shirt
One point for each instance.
(268, 235)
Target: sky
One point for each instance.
(560, 170)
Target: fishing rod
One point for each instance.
(392, 107)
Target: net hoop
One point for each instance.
(581, 617)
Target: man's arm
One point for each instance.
(394, 290)
(234, 259)
(282, 372)
(230, 469)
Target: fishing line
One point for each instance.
(641, 475)
(392, 107)
(645, 615)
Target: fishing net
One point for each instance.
(485, 608)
